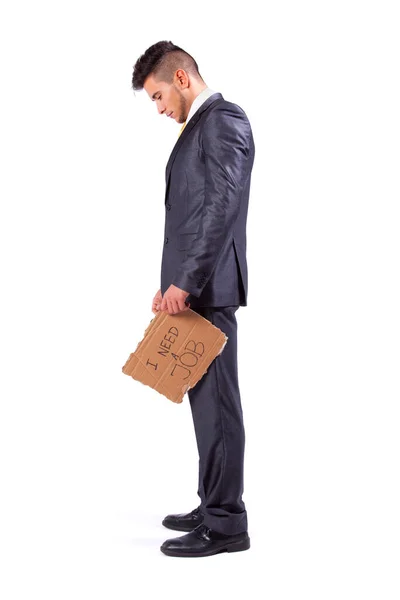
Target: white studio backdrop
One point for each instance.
(91, 461)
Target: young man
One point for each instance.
(204, 267)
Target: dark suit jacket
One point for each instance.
(206, 202)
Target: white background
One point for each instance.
(91, 461)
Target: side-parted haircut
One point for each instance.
(162, 60)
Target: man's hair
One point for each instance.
(162, 60)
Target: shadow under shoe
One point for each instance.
(184, 521)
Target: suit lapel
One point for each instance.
(196, 117)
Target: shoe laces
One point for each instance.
(202, 532)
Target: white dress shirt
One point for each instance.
(198, 101)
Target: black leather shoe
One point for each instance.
(203, 541)
(184, 522)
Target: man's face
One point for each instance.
(168, 97)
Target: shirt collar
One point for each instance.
(198, 101)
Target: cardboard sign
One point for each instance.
(175, 352)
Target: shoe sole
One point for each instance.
(232, 547)
(180, 528)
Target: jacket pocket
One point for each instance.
(186, 240)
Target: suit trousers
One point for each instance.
(218, 422)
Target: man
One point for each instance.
(204, 267)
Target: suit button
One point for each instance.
(166, 240)
(168, 207)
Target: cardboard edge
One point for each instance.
(154, 325)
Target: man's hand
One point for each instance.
(174, 300)
(155, 307)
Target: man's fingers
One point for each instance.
(182, 305)
(169, 306)
(164, 305)
(173, 306)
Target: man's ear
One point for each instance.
(182, 78)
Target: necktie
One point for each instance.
(182, 128)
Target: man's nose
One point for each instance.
(161, 109)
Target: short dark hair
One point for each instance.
(162, 60)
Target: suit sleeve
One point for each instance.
(226, 140)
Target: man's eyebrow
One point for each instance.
(154, 95)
